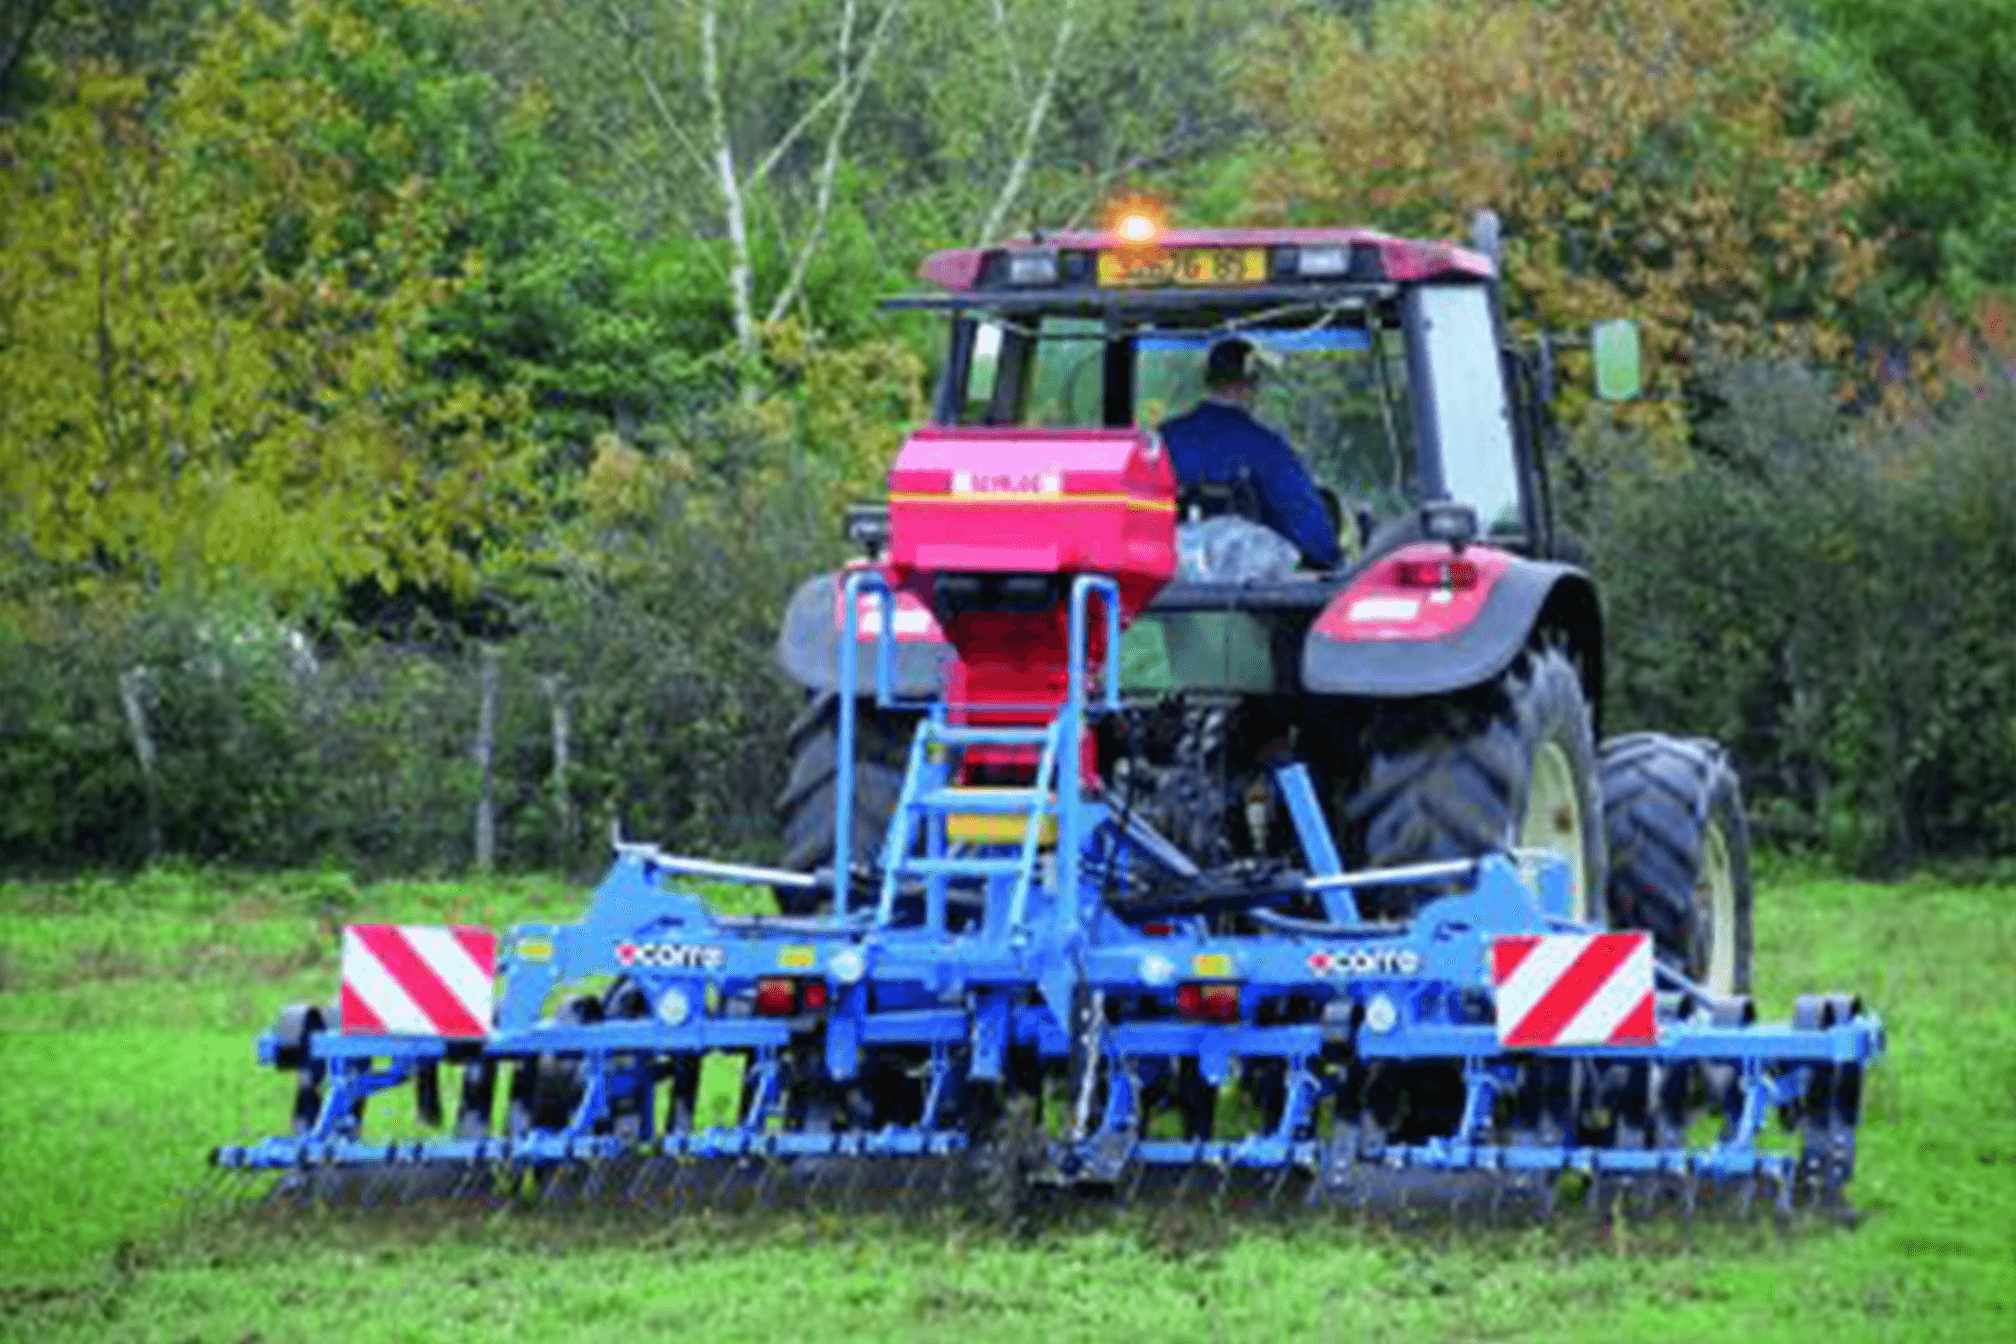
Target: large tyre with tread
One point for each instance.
(1511, 764)
(881, 754)
(1680, 854)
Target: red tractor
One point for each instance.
(1443, 680)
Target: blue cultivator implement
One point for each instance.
(996, 1015)
(1317, 881)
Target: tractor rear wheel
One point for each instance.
(1511, 764)
(1680, 855)
(881, 755)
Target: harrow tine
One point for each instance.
(670, 1180)
(709, 1178)
(766, 1180)
(849, 1199)
(471, 1183)
(803, 1180)
(677, 1188)
(588, 1186)
(1137, 1173)
(1459, 1195)
(1602, 1201)
(906, 1194)
(951, 1177)
(747, 1187)
(704, 1180)
(803, 1184)
(634, 1190)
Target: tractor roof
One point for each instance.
(1086, 257)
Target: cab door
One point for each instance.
(1470, 440)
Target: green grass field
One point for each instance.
(128, 1011)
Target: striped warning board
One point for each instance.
(1574, 989)
(417, 980)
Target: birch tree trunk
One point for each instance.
(563, 807)
(740, 299)
(853, 82)
(134, 683)
(486, 743)
(1032, 125)
(713, 150)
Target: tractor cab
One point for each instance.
(1382, 363)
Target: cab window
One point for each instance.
(1473, 417)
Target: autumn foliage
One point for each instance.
(1648, 158)
(338, 336)
(204, 331)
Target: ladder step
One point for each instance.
(954, 736)
(960, 867)
(1003, 800)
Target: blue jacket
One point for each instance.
(1213, 441)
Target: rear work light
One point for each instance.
(1323, 261)
(782, 996)
(1457, 574)
(1217, 1002)
(1032, 268)
(1329, 261)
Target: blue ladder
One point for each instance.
(926, 796)
(928, 799)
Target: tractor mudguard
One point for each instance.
(808, 647)
(1397, 631)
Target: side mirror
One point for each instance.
(868, 528)
(1450, 522)
(1619, 369)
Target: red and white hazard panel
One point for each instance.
(1574, 989)
(418, 980)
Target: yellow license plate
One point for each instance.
(1185, 266)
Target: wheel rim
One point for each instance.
(1715, 911)
(1553, 820)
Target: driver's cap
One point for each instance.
(1234, 359)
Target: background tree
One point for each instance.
(42, 40)
(205, 329)
(1940, 76)
(1646, 157)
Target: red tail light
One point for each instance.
(1452, 573)
(1213, 1002)
(782, 996)
(776, 997)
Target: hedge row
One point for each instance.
(1837, 605)
(268, 750)
(1840, 608)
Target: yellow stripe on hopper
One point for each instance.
(997, 828)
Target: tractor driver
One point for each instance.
(1219, 441)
